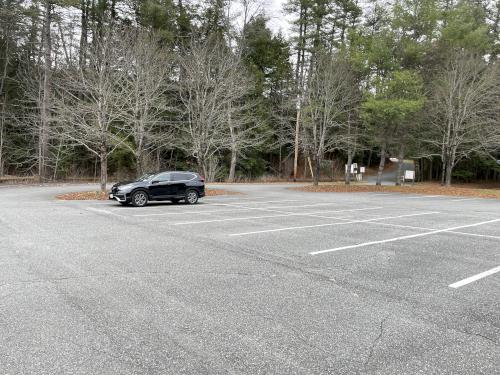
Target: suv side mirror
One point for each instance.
(154, 182)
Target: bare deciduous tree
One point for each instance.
(92, 103)
(465, 109)
(330, 98)
(149, 68)
(212, 113)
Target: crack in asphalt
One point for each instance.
(375, 342)
(296, 333)
(479, 335)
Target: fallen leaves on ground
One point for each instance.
(214, 192)
(100, 196)
(84, 196)
(425, 188)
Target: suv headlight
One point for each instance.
(125, 188)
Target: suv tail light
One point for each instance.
(202, 179)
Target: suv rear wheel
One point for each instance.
(191, 196)
(139, 199)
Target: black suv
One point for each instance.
(164, 186)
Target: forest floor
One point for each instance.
(465, 190)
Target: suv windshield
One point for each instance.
(145, 177)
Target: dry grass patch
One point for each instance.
(488, 191)
(100, 196)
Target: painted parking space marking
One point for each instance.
(260, 202)
(425, 196)
(106, 212)
(425, 228)
(370, 243)
(282, 207)
(201, 212)
(284, 214)
(235, 208)
(471, 279)
(332, 224)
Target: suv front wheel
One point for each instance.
(191, 197)
(139, 199)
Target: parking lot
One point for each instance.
(275, 281)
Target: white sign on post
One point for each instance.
(410, 175)
(354, 166)
(362, 170)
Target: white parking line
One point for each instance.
(281, 207)
(280, 215)
(200, 212)
(257, 202)
(424, 228)
(226, 198)
(331, 224)
(463, 199)
(425, 196)
(471, 279)
(364, 244)
(237, 207)
(98, 210)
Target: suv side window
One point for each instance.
(179, 176)
(163, 177)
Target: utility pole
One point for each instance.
(297, 129)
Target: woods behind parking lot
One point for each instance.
(124, 87)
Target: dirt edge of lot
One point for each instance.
(100, 196)
(425, 189)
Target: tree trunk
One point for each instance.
(369, 163)
(317, 167)
(232, 167)
(104, 169)
(279, 165)
(381, 166)
(2, 137)
(43, 140)
(158, 159)
(139, 159)
(82, 57)
(449, 170)
(400, 164)
(430, 170)
(296, 146)
(202, 167)
(444, 157)
(443, 172)
(3, 107)
(349, 163)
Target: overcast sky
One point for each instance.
(273, 9)
(277, 18)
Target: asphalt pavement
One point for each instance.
(275, 281)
